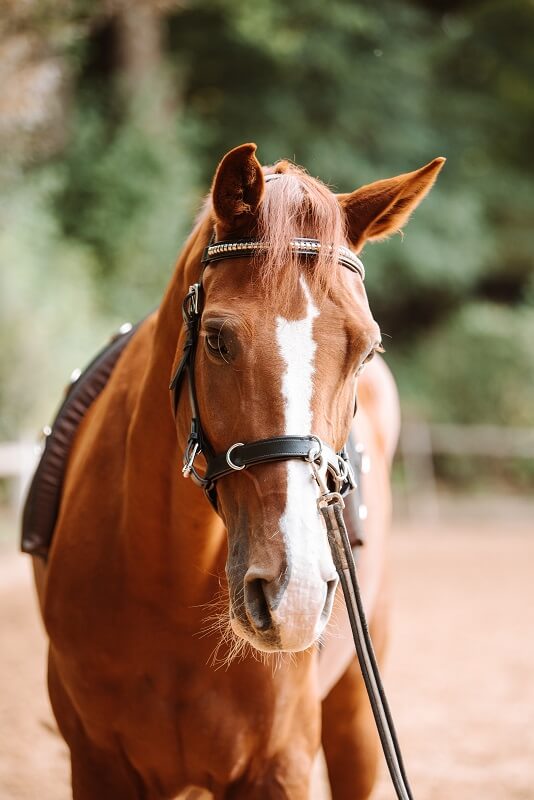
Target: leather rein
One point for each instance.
(339, 481)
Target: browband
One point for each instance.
(238, 248)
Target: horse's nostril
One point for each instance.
(263, 604)
(256, 604)
(331, 587)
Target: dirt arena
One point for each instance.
(460, 671)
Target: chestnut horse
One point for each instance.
(140, 560)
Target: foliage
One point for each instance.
(355, 91)
(49, 316)
(358, 91)
(128, 195)
(477, 367)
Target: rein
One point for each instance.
(319, 455)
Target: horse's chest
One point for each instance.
(168, 715)
(197, 748)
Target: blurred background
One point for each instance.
(113, 116)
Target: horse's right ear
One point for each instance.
(237, 188)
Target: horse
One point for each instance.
(197, 648)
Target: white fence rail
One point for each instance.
(420, 442)
(17, 463)
(474, 440)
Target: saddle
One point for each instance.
(41, 508)
(43, 500)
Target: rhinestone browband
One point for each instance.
(303, 247)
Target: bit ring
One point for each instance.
(229, 461)
(316, 453)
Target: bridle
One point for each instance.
(340, 479)
(242, 455)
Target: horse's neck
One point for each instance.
(175, 543)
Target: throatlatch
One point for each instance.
(323, 460)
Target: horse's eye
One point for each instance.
(377, 349)
(215, 344)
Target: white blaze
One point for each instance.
(297, 348)
(299, 612)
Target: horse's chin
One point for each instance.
(270, 641)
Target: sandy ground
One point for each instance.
(460, 671)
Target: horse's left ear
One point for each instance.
(379, 209)
(237, 188)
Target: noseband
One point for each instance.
(243, 455)
(281, 448)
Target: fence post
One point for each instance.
(418, 469)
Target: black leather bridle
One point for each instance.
(243, 455)
(312, 449)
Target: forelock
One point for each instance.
(297, 205)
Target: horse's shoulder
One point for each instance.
(378, 400)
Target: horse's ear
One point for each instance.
(237, 188)
(379, 209)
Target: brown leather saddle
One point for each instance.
(44, 496)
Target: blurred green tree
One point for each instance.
(355, 91)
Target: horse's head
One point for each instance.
(282, 339)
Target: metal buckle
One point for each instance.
(229, 460)
(323, 488)
(347, 475)
(125, 328)
(315, 456)
(343, 469)
(365, 460)
(330, 499)
(340, 473)
(191, 452)
(193, 291)
(192, 299)
(190, 304)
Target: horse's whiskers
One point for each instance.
(235, 648)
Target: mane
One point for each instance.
(297, 205)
